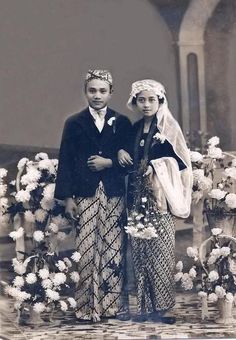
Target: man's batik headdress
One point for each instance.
(99, 74)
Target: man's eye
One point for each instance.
(103, 91)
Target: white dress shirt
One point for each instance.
(99, 117)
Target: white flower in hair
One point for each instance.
(159, 136)
(111, 121)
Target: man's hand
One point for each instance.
(149, 171)
(71, 207)
(124, 158)
(98, 163)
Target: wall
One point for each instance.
(47, 46)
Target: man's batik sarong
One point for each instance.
(100, 243)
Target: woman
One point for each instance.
(158, 147)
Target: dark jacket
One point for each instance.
(80, 140)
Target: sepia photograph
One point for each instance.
(117, 169)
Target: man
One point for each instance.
(92, 183)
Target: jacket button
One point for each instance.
(100, 152)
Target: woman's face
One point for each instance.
(147, 103)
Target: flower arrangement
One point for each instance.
(213, 179)
(213, 269)
(142, 217)
(38, 220)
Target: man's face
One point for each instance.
(98, 93)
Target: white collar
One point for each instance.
(94, 112)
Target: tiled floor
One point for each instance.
(188, 325)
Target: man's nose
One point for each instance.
(97, 95)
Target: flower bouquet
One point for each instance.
(212, 274)
(142, 219)
(213, 185)
(37, 218)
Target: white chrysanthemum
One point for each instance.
(216, 252)
(39, 307)
(178, 276)
(76, 256)
(196, 156)
(192, 273)
(53, 227)
(15, 235)
(44, 273)
(230, 200)
(31, 186)
(198, 174)
(40, 156)
(186, 281)
(3, 173)
(38, 235)
(234, 162)
(216, 231)
(17, 293)
(32, 176)
(47, 204)
(230, 172)
(17, 305)
(72, 302)
(59, 278)
(18, 266)
(213, 141)
(63, 306)
(225, 251)
(179, 266)
(22, 163)
(75, 276)
(212, 297)
(67, 262)
(3, 202)
(18, 281)
(29, 216)
(202, 294)
(40, 215)
(22, 196)
(48, 191)
(215, 153)
(51, 294)
(205, 183)
(229, 297)
(47, 284)
(192, 252)
(3, 190)
(55, 162)
(47, 164)
(31, 278)
(217, 194)
(61, 265)
(213, 276)
(220, 292)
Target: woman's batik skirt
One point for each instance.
(100, 243)
(154, 263)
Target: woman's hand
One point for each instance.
(71, 207)
(124, 158)
(149, 171)
(98, 163)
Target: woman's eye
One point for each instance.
(141, 100)
(152, 100)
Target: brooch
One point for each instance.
(142, 142)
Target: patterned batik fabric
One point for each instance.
(154, 263)
(100, 243)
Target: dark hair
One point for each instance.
(86, 83)
(134, 100)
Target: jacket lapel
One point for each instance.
(87, 123)
(109, 126)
